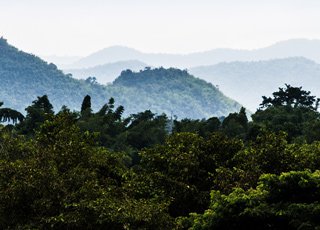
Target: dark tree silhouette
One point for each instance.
(40, 110)
(86, 105)
(8, 115)
(291, 96)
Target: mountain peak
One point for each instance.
(108, 55)
(118, 48)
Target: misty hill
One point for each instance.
(248, 81)
(108, 72)
(24, 77)
(171, 90)
(292, 48)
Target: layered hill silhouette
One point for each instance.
(245, 75)
(292, 48)
(24, 77)
(248, 81)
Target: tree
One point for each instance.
(236, 124)
(86, 106)
(107, 122)
(291, 96)
(40, 110)
(291, 110)
(146, 129)
(203, 127)
(8, 115)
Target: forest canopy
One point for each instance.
(104, 170)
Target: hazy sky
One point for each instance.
(80, 27)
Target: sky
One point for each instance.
(81, 27)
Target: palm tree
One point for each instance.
(8, 115)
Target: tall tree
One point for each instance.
(86, 107)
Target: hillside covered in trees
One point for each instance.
(103, 170)
(170, 91)
(25, 76)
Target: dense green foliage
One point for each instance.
(24, 77)
(100, 170)
(286, 201)
(62, 179)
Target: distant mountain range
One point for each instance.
(107, 73)
(24, 77)
(292, 48)
(244, 75)
(248, 81)
(294, 62)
